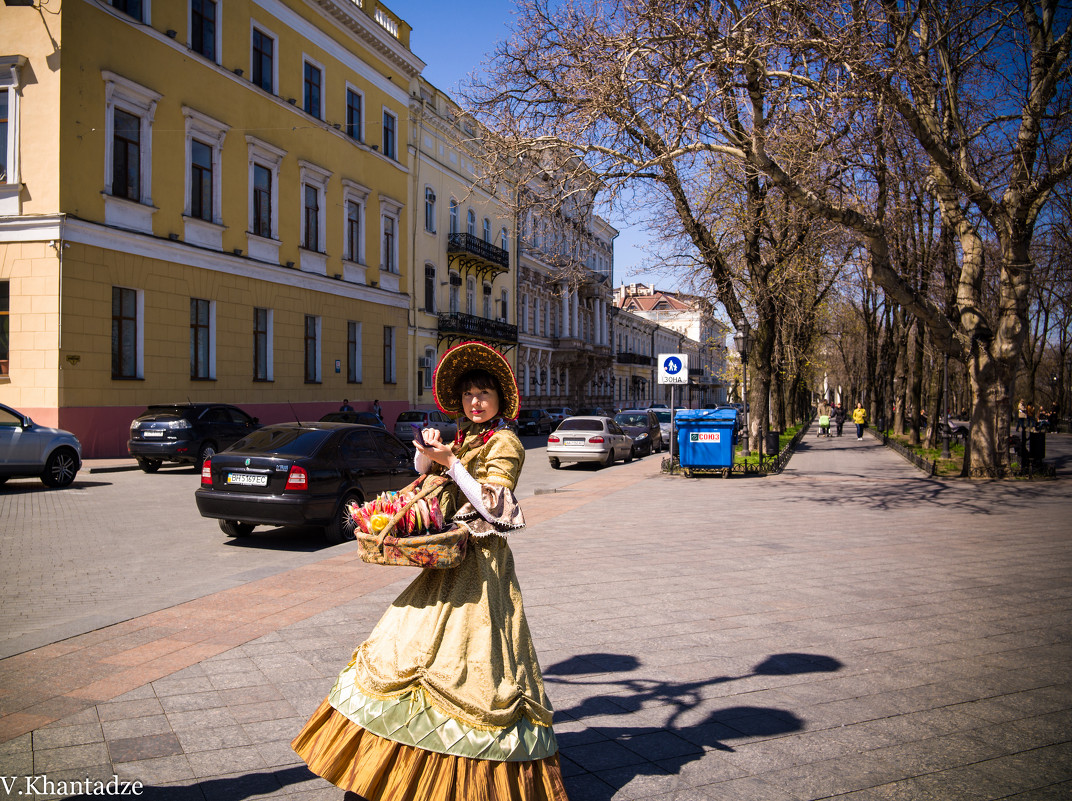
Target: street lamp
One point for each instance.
(743, 341)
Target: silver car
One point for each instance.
(30, 450)
(589, 439)
(425, 418)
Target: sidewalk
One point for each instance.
(847, 629)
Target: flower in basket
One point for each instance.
(424, 516)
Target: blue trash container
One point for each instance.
(706, 439)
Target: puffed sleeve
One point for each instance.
(502, 461)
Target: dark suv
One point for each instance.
(187, 433)
(534, 421)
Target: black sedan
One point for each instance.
(300, 474)
(187, 433)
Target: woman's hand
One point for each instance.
(434, 448)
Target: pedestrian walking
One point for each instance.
(839, 418)
(824, 418)
(346, 407)
(859, 416)
(1021, 417)
(377, 409)
(445, 699)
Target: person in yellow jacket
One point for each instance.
(859, 416)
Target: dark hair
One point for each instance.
(477, 379)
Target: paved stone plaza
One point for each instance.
(848, 629)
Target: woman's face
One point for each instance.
(480, 405)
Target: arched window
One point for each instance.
(487, 301)
(455, 292)
(487, 230)
(470, 295)
(429, 209)
(504, 240)
(470, 223)
(453, 216)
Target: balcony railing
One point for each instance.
(476, 327)
(472, 245)
(635, 358)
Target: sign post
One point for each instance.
(673, 370)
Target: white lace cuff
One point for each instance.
(470, 487)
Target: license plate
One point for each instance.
(247, 479)
(573, 441)
(152, 434)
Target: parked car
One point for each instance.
(534, 421)
(361, 418)
(425, 418)
(643, 426)
(588, 439)
(187, 433)
(297, 474)
(29, 450)
(559, 413)
(664, 417)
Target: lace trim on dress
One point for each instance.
(502, 507)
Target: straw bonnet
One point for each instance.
(467, 356)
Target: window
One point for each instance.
(455, 292)
(203, 29)
(353, 230)
(504, 240)
(389, 245)
(429, 372)
(264, 160)
(200, 180)
(5, 326)
(453, 216)
(389, 354)
(129, 112)
(470, 295)
(390, 211)
(470, 223)
(505, 305)
(132, 7)
(262, 345)
(487, 301)
(312, 349)
(10, 179)
(310, 217)
(311, 83)
(201, 351)
(126, 156)
(390, 126)
(353, 352)
(487, 230)
(429, 288)
(354, 115)
(126, 333)
(429, 209)
(262, 201)
(314, 182)
(262, 60)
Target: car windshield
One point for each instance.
(411, 417)
(528, 413)
(573, 424)
(291, 442)
(169, 411)
(626, 419)
(664, 416)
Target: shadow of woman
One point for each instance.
(618, 754)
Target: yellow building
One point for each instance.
(203, 201)
(463, 243)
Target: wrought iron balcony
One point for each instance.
(458, 327)
(477, 255)
(635, 358)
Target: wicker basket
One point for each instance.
(441, 550)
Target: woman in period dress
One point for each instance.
(445, 699)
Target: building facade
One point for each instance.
(463, 241)
(204, 201)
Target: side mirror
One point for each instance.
(256, 420)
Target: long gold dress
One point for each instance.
(445, 699)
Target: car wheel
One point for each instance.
(208, 450)
(233, 528)
(150, 465)
(629, 456)
(342, 527)
(61, 468)
(555, 463)
(3, 479)
(609, 461)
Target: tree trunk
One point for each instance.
(915, 382)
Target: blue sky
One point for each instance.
(454, 40)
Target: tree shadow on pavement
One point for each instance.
(601, 759)
(228, 788)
